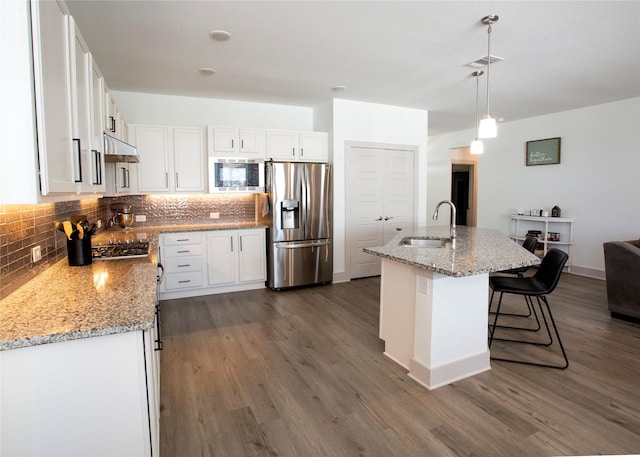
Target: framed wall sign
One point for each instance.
(543, 152)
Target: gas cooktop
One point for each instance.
(120, 250)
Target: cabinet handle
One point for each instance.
(177, 185)
(231, 238)
(182, 252)
(184, 281)
(79, 153)
(112, 121)
(379, 218)
(293, 151)
(184, 265)
(241, 144)
(301, 152)
(388, 218)
(232, 143)
(183, 239)
(241, 242)
(127, 174)
(97, 156)
(166, 179)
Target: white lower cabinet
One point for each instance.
(236, 257)
(91, 396)
(212, 262)
(183, 261)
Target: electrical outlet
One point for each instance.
(141, 218)
(99, 223)
(214, 215)
(36, 253)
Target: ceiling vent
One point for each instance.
(483, 61)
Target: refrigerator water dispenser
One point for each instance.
(290, 214)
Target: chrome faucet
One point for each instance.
(453, 216)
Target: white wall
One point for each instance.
(373, 123)
(141, 108)
(597, 180)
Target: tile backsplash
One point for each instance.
(23, 227)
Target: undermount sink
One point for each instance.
(415, 242)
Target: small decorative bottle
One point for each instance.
(555, 211)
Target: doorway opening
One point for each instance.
(464, 192)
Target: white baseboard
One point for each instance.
(435, 377)
(589, 272)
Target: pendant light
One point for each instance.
(476, 145)
(488, 128)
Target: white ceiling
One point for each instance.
(559, 55)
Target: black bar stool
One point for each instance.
(539, 286)
(529, 244)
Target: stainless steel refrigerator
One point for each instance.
(299, 213)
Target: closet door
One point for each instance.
(380, 201)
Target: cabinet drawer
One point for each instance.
(169, 239)
(177, 250)
(183, 264)
(183, 280)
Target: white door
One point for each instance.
(380, 201)
(221, 257)
(189, 152)
(251, 255)
(58, 161)
(153, 153)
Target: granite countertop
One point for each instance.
(476, 251)
(108, 296)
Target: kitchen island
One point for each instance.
(434, 300)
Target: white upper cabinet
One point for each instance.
(97, 127)
(291, 145)
(82, 100)
(189, 148)
(172, 159)
(51, 61)
(153, 151)
(114, 122)
(232, 142)
(49, 151)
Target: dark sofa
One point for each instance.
(622, 269)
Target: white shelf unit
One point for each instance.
(520, 225)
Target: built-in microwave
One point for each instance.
(236, 175)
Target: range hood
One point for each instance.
(116, 150)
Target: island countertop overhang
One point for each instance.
(475, 251)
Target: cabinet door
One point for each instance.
(153, 153)
(225, 139)
(251, 255)
(282, 144)
(109, 119)
(81, 107)
(252, 143)
(221, 257)
(313, 146)
(97, 127)
(53, 97)
(189, 159)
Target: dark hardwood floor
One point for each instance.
(301, 373)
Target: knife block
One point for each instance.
(79, 252)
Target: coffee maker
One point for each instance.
(122, 217)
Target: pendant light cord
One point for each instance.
(488, 64)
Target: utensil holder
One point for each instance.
(79, 252)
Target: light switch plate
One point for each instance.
(36, 253)
(141, 218)
(214, 215)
